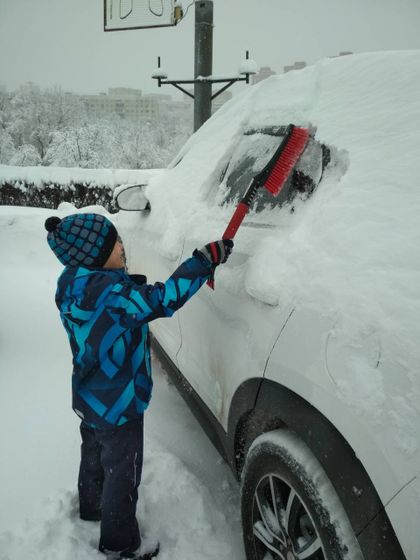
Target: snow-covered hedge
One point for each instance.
(47, 187)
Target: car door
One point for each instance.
(228, 333)
(147, 254)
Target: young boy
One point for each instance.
(106, 312)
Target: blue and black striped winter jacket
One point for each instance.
(106, 314)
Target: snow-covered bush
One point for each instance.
(48, 187)
(52, 195)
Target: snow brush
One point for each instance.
(273, 177)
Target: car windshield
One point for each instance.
(253, 152)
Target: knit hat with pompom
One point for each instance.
(81, 239)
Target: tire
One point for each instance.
(290, 510)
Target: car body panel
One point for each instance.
(157, 266)
(404, 513)
(213, 366)
(374, 442)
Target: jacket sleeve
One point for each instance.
(131, 304)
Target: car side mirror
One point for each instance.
(132, 199)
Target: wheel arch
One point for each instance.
(262, 405)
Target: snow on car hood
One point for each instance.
(352, 250)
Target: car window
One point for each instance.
(254, 151)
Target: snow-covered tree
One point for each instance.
(137, 145)
(37, 115)
(53, 128)
(5, 110)
(149, 144)
(25, 156)
(88, 146)
(7, 148)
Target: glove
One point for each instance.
(217, 252)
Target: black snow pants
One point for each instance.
(109, 476)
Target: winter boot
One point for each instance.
(144, 555)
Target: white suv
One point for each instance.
(302, 364)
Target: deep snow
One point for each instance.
(189, 499)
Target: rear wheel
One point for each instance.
(290, 510)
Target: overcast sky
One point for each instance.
(62, 42)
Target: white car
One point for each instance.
(303, 363)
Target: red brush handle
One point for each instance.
(210, 281)
(236, 220)
(230, 232)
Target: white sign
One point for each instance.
(136, 14)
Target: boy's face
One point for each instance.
(117, 258)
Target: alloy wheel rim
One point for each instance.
(283, 528)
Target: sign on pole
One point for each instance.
(120, 15)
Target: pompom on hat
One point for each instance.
(81, 239)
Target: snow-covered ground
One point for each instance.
(189, 499)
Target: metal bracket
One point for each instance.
(228, 81)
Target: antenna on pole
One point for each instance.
(121, 15)
(203, 66)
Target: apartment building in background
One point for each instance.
(295, 66)
(263, 73)
(128, 103)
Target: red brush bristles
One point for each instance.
(287, 160)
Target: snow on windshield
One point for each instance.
(254, 151)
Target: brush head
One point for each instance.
(286, 159)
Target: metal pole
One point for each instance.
(203, 61)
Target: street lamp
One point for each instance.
(159, 74)
(246, 69)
